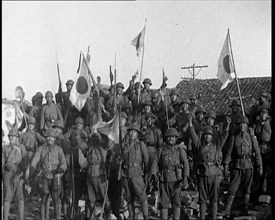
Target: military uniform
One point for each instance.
(240, 149)
(13, 165)
(172, 165)
(145, 94)
(52, 164)
(49, 114)
(208, 168)
(135, 160)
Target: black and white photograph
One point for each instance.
(119, 110)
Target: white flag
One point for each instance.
(225, 64)
(138, 42)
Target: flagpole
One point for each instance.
(141, 63)
(114, 103)
(239, 91)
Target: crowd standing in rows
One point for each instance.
(165, 144)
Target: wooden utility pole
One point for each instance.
(193, 67)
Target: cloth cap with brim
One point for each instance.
(135, 127)
(171, 132)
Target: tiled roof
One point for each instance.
(212, 98)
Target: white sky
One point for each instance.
(178, 33)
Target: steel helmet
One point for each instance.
(79, 120)
(208, 130)
(134, 127)
(150, 115)
(31, 120)
(235, 102)
(49, 94)
(147, 80)
(243, 119)
(210, 114)
(13, 132)
(200, 109)
(119, 84)
(174, 92)
(39, 95)
(58, 124)
(171, 132)
(147, 102)
(70, 82)
(185, 101)
(51, 133)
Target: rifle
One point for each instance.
(111, 76)
(120, 144)
(58, 185)
(59, 94)
(73, 211)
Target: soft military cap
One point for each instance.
(127, 105)
(154, 94)
(235, 102)
(171, 132)
(192, 97)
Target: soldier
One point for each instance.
(240, 149)
(135, 158)
(97, 174)
(147, 107)
(145, 93)
(263, 133)
(208, 154)
(78, 126)
(36, 109)
(133, 97)
(52, 164)
(13, 166)
(127, 108)
(158, 108)
(173, 100)
(173, 167)
(210, 118)
(193, 103)
(49, 114)
(235, 114)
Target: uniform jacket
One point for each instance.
(207, 156)
(49, 158)
(36, 113)
(263, 134)
(240, 149)
(153, 137)
(135, 158)
(49, 114)
(170, 158)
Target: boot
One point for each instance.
(131, 209)
(176, 213)
(214, 210)
(21, 209)
(6, 210)
(246, 202)
(228, 205)
(164, 214)
(203, 208)
(144, 208)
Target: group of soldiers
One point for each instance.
(164, 141)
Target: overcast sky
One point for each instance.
(178, 33)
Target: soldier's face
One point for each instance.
(185, 107)
(123, 121)
(39, 101)
(154, 100)
(171, 140)
(173, 98)
(149, 121)
(13, 140)
(79, 126)
(49, 99)
(210, 121)
(146, 85)
(147, 108)
(119, 90)
(208, 138)
(264, 116)
(69, 87)
(200, 116)
(243, 127)
(133, 134)
(31, 127)
(234, 109)
(51, 140)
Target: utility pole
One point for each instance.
(193, 67)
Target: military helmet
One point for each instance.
(235, 102)
(200, 109)
(51, 133)
(31, 120)
(171, 132)
(177, 103)
(154, 94)
(127, 105)
(58, 124)
(264, 108)
(119, 84)
(264, 94)
(124, 115)
(147, 102)
(243, 119)
(79, 120)
(150, 115)
(137, 85)
(49, 94)
(210, 114)
(192, 96)
(13, 132)
(70, 82)
(147, 80)
(111, 88)
(39, 95)
(185, 101)
(96, 138)
(208, 130)
(174, 92)
(134, 127)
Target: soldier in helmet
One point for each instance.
(36, 109)
(240, 150)
(127, 108)
(135, 165)
(52, 164)
(208, 154)
(173, 100)
(263, 133)
(235, 114)
(14, 164)
(193, 103)
(147, 108)
(145, 93)
(133, 97)
(172, 167)
(50, 113)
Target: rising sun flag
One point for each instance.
(225, 63)
(138, 42)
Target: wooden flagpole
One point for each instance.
(114, 103)
(141, 63)
(239, 91)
